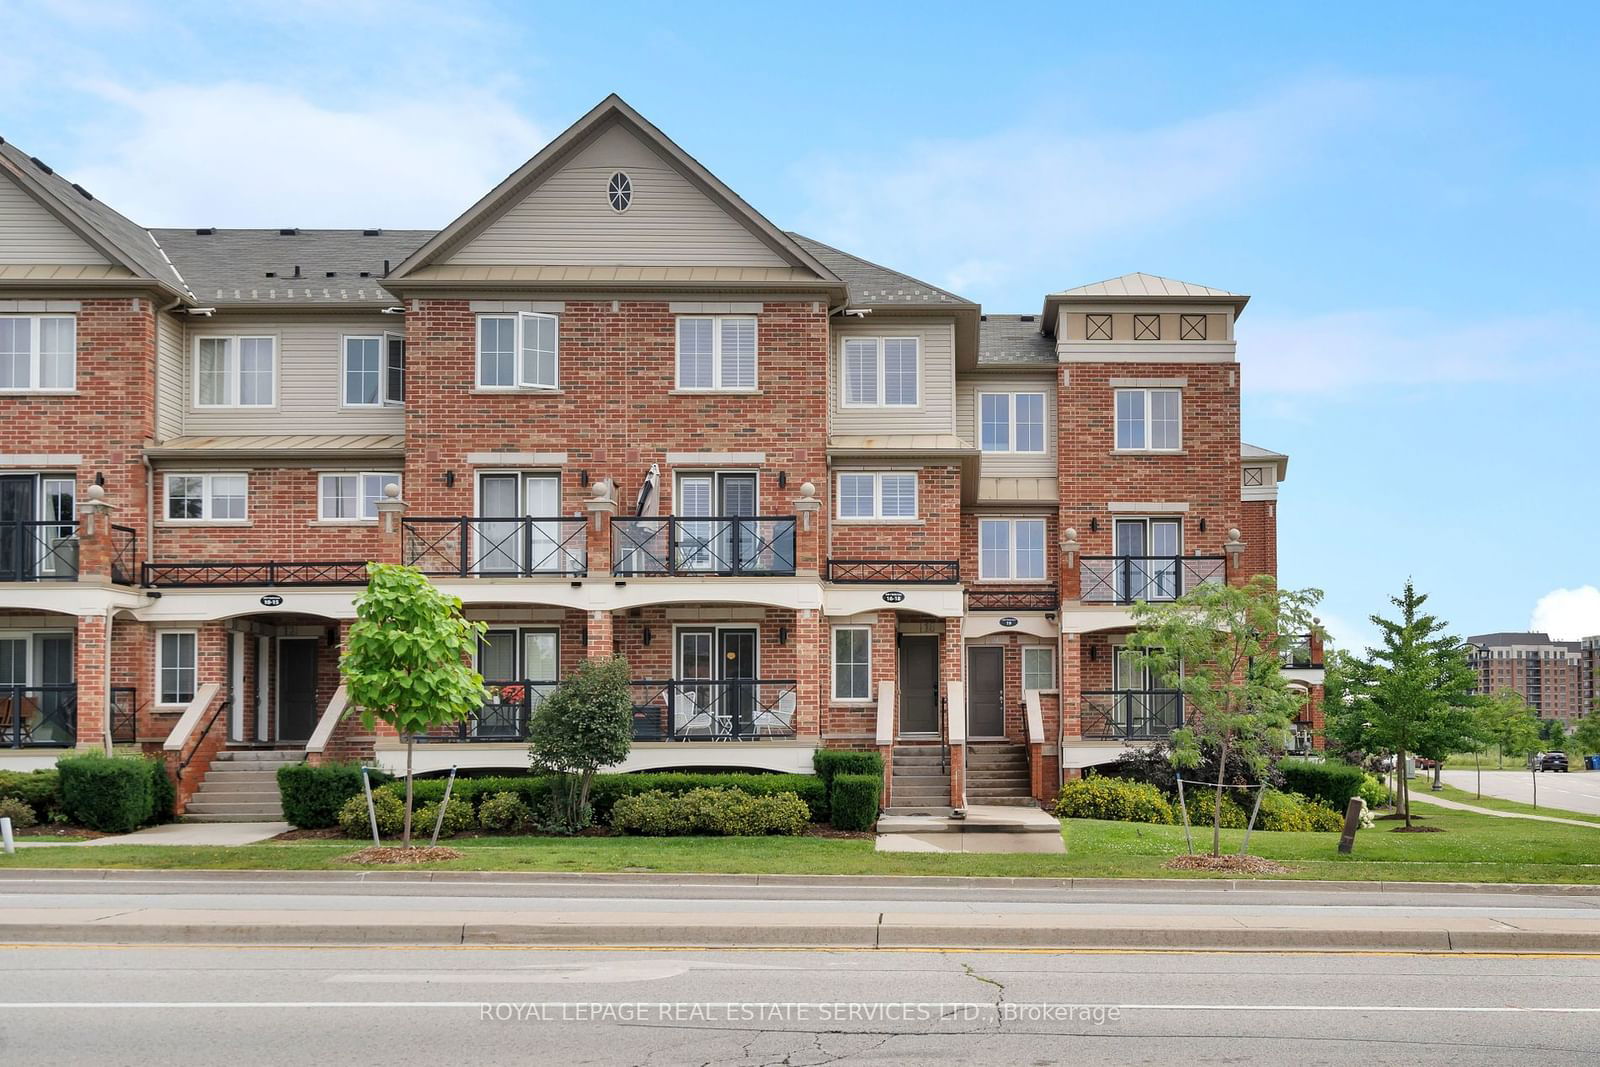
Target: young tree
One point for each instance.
(1221, 646)
(1510, 724)
(1410, 692)
(1553, 734)
(406, 659)
(1586, 735)
(586, 724)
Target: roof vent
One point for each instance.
(331, 274)
(206, 232)
(36, 161)
(366, 274)
(82, 191)
(371, 233)
(1025, 318)
(983, 318)
(297, 270)
(288, 233)
(272, 274)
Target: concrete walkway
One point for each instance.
(1429, 798)
(212, 834)
(1578, 790)
(986, 828)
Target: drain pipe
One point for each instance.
(105, 722)
(149, 508)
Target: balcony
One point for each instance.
(1130, 715)
(735, 709)
(467, 547)
(1013, 598)
(216, 575)
(38, 716)
(38, 551)
(504, 718)
(124, 555)
(735, 547)
(1301, 654)
(894, 571)
(1129, 579)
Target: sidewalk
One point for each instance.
(205, 834)
(1429, 798)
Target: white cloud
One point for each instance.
(1568, 614)
(242, 154)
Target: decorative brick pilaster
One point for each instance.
(808, 655)
(1235, 552)
(89, 664)
(602, 506)
(1071, 587)
(600, 634)
(1071, 687)
(808, 531)
(94, 536)
(391, 528)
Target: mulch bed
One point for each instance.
(74, 833)
(1227, 864)
(392, 855)
(310, 835)
(1417, 829)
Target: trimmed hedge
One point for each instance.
(832, 761)
(110, 794)
(607, 789)
(458, 818)
(391, 812)
(41, 790)
(502, 811)
(1116, 799)
(1329, 781)
(710, 812)
(1203, 807)
(313, 796)
(163, 791)
(854, 800)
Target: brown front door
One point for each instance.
(919, 684)
(986, 709)
(297, 688)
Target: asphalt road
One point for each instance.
(1573, 791)
(263, 1005)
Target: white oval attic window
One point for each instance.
(620, 191)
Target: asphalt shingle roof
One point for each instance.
(232, 266)
(1013, 339)
(872, 284)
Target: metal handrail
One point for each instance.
(222, 699)
(725, 545)
(1129, 714)
(726, 709)
(473, 546)
(1129, 579)
(204, 574)
(124, 713)
(38, 550)
(19, 730)
(1013, 598)
(506, 717)
(1301, 654)
(898, 571)
(124, 555)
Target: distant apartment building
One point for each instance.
(1589, 676)
(1549, 674)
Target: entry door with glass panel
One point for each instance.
(709, 546)
(513, 545)
(1148, 565)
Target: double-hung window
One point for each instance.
(352, 497)
(518, 351)
(38, 353)
(1011, 422)
(235, 372)
(716, 352)
(206, 497)
(1038, 667)
(852, 663)
(877, 495)
(1011, 550)
(175, 667)
(880, 372)
(374, 370)
(1149, 420)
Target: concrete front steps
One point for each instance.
(997, 773)
(919, 781)
(242, 786)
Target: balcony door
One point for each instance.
(710, 546)
(513, 546)
(1147, 565)
(714, 668)
(520, 668)
(18, 506)
(1141, 709)
(36, 686)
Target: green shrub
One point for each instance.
(1116, 799)
(828, 762)
(19, 811)
(111, 794)
(854, 800)
(390, 809)
(314, 795)
(1202, 806)
(1284, 812)
(710, 812)
(1374, 792)
(41, 790)
(500, 811)
(1329, 781)
(458, 819)
(163, 790)
(1324, 820)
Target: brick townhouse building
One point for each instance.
(814, 501)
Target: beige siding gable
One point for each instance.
(567, 219)
(936, 413)
(171, 345)
(29, 233)
(1008, 464)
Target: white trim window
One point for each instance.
(852, 663)
(880, 372)
(374, 370)
(206, 497)
(1038, 668)
(518, 351)
(1149, 420)
(877, 495)
(717, 352)
(1011, 550)
(176, 672)
(352, 497)
(235, 372)
(1011, 422)
(38, 353)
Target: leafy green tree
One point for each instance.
(1586, 735)
(1410, 693)
(1510, 724)
(406, 661)
(1221, 646)
(1553, 734)
(586, 724)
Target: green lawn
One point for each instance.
(1480, 848)
(1467, 796)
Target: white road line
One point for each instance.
(191, 1005)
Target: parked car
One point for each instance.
(1553, 761)
(1424, 763)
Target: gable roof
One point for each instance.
(1014, 340)
(609, 111)
(231, 266)
(118, 238)
(872, 285)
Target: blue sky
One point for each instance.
(1411, 194)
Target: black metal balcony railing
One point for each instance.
(1013, 598)
(38, 716)
(1130, 715)
(124, 713)
(895, 571)
(38, 551)
(477, 547)
(213, 574)
(741, 709)
(504, 718)
(1299, 655)
(737, 546)
(124, 555)
(1126, 579)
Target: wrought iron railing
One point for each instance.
(505, 717)
(212, 574)
(124, 555)
(38, 716)
(1130, 715)
(38, 551)
(192, 745)
(1300, 655)
(1127, 579)
(468, 547)
(896, 571)
(755, 546)
(124, 713)
(742, 709)
(1012, 598)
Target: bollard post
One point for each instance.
(5, 837)
(1352, 823)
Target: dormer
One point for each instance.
(1143, 318)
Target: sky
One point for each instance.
(1410, 194)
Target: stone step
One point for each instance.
(991, 775)
(265, 755)
(229, 774)
(207, 793)
(922, 779)
(920, 766)
(233, 817)
(1006, 802)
